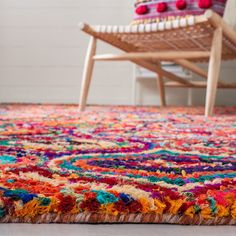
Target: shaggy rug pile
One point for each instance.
(117, 165)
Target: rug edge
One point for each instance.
(96, 218)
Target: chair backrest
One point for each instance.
(230, 13)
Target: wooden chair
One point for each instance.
(196, 39)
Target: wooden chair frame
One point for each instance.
(207, 38)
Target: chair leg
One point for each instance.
(213, 72)
(161, 88)
(87, 74)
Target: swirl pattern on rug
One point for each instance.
(117, 161)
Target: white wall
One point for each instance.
(42, 53)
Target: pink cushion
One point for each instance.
(147, 11)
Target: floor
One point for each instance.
(114, 230)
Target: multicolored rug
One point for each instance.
(117, 164)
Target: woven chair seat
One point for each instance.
(188, 34)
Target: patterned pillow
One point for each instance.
(147, 11)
